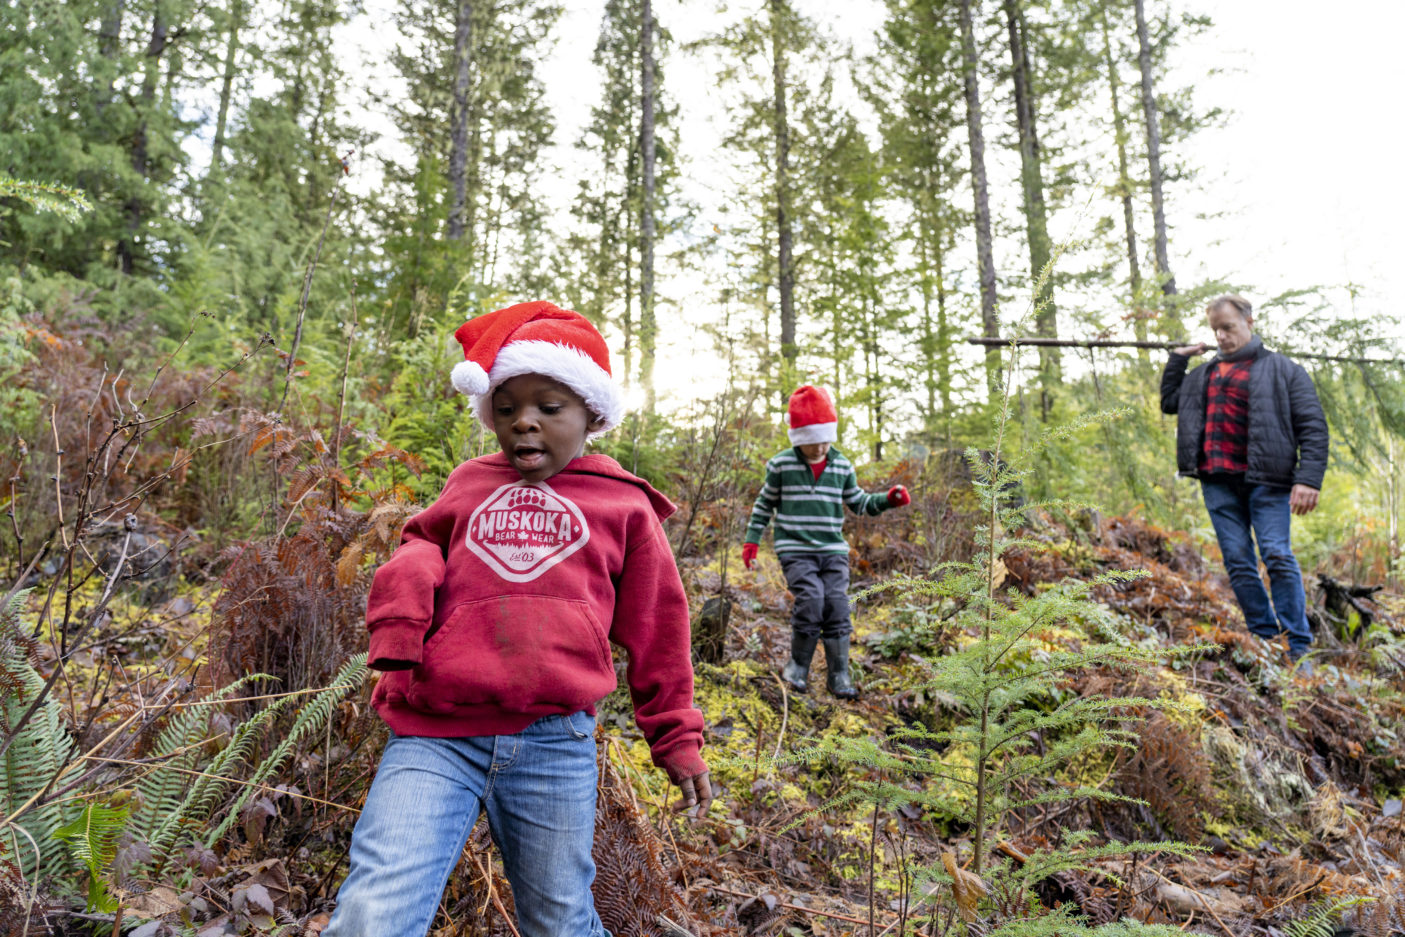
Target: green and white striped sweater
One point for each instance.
(809, 511)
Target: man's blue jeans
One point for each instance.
(538, 788)
(1236, 507)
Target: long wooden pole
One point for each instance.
(1117, 343)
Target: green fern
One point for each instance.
(310, 721)
(35, 756)
(189, 792)
(165, 789)
(205, 791)
(92, 841)
(1323, 919)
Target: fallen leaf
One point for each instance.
(966, 887)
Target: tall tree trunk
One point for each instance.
(109, 45)
(458, 126)
(929, 342)
(943, 332)
(870, 361)
(231, 52)
(1124, 178)
(647, 325)
(1153, 153)
(784, 240)
(1124, 188)
(985, 258)
(134, 207)
(632, 196)
(1035, 212)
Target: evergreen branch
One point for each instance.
(66, 202)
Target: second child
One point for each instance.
(806, 490)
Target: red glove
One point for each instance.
(898, 496)
(749, 554)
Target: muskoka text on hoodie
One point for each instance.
(505, 596)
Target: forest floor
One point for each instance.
(1290, 783)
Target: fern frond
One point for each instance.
(164, 789)
(92, 841)
(310, 721)
(204, 792)
(1323, 919)
(36, 755)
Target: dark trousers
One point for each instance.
(1242, 514)
(820, 584)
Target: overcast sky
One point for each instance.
(1304, 173)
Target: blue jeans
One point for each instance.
(820, 584)
(1236, 507)
(538, 788)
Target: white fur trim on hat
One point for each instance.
(813, 433)
(574, 368)
(468, 377)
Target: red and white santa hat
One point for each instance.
(812, 416)
(537, 338)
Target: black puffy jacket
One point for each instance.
(1287, 431)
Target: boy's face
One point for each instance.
(815, 452)
(541, 424)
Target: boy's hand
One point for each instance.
(697, 791)
(749, 554)
(898, 496)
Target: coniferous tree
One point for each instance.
(1153, 153)
(764, 53)
(914, 88)
(484, 134)
(1032, 188)
(985, 256)
(458, 130)
(780, 12)
(265, 205)
(1124, 179)
(234, 18)
(611, 201)
(647, 156)
(848, 264)
(85, 107)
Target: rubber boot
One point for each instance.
(836, 655)
(797, 670)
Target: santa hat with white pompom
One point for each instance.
(537, 338)
(813, 418)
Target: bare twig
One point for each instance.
(793, 907)
(493, 893)
(785, 714)
(93, 619)
(341, 403)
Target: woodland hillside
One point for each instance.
(225, 338)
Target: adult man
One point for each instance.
(1251, 429)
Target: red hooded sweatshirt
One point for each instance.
(505, 596)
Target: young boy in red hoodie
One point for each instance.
(492, 623)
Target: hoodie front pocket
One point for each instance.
(521, 653)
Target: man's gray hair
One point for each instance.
(1236, 302)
